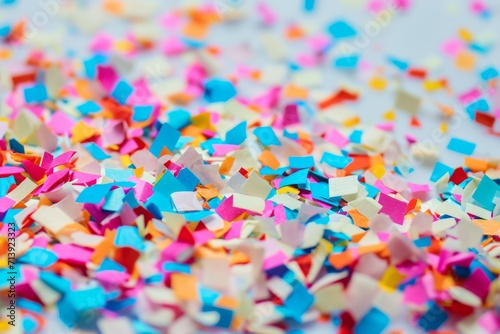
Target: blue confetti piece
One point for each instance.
(299, 177)
(16, 146)
(166, 137)
(179, 118)
(192, 43)
(4, 31)
(142, 113)
(299, 301)
(266, 136)
(309, 5)
(301, 162)
(218, 90)
(375, 321)
(89, 107)
(434, 318)
(480, 48)
(29, 324)
(177, 267)
(168, 184)
(266, 170)
(114, 200)
(349, 62)
(188, 179)
(131, 200)
(486, 192)
(122, 92)
(291, 135)
(5, 183)
(29, 305)
(208, 296)
(461, 146)
(90, 65)
(35, 94)
(108, 264)
(355, 136)
(142, 328)
(196, 216)
(94, 194)
(489, 73)
(402, 65)
(479, 105)
(422, 242)
(128, 236)
(372, 191)
(55, 282)
(341, 29)
(96, 152)
(183, 141)
(336, 161)
(237, 135)
(119, 174)
(225, 315)
(118, 305)
(439, 171)
(208, 144)
(39, 257)
(84, 300)
(158, 203)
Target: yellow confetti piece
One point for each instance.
(391, 279)
(351, 121)
(432, 85)
(138, 172)
(377, 83)
(123, 46)
(443, 127)
(125, 159)
(286, 190)
(81, 132)
(389, 115)
(202, 120)
(378, 170)
(465, 35)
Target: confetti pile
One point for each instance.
(144, 190)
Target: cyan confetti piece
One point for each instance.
(439, 171)
(266, 136)
(128, 236)
(179, 118)
(217, 90)
(433, 319)
(461, 146)
(375, 321)
(96, 152)
(349, 62)
(89, 107)
(142, 113)
(39, 257)
(122, 92)
(341, 29)
(237, 135)
(166, 137)
(336, 161)
(301, 162)
(35, 94)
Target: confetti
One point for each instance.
(159, 178)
